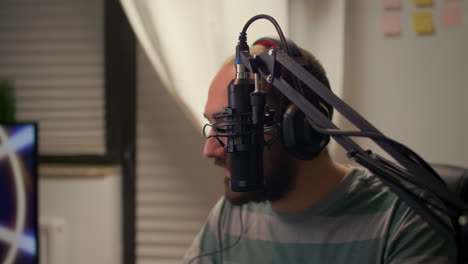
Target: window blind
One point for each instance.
(52, 53)
(176, 186)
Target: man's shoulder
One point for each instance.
(367, 188)
(364, 181)
(363, 193)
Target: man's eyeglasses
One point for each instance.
(220, 129)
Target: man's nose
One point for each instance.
(213, 149)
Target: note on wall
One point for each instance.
(452, 16)
(421, 3)
(391, 4)
(390, 24)
(422, 23)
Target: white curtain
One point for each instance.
(187, 41)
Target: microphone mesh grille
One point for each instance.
(240, 166)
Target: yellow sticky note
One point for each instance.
(422, 2)
(422, 23)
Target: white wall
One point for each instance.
(414, 88)
(89, 203)
(318, 26)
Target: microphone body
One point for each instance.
(245, 140)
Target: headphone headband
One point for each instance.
(266, 43)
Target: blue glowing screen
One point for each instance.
(18, 194)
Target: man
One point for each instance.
(311, 211)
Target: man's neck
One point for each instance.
(314, 179)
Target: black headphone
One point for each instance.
(298, 138)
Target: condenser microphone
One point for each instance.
(244, 141)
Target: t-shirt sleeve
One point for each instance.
(205, 245)
(413, 240)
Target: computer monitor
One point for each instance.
(18, 193)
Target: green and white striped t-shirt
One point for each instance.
(360, 222)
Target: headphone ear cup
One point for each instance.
(299, 139)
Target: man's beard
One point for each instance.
(278, 174)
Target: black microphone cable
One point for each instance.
(284, 43)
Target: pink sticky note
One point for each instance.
(391, 4)
(452, 16)
(390, 24)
